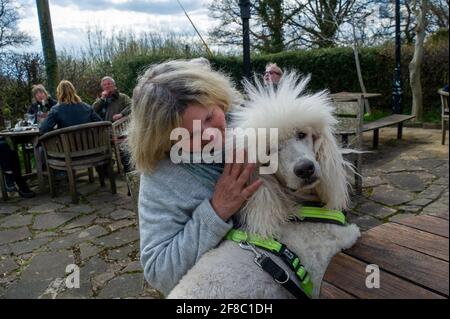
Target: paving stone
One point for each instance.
(436, 208)
(121, 214)
(372, 181)
(45, 234)
(121, 224)
(118, 238)
(52, 220)
(399, 217)
(420, 202)
(127, 285)
(15, 221)
(4, 250)
(44, 268)
(364, 222)
(48, 207)
(7, 265)
(80, 209)
(134, 266)
(122, 252)
(88, 250)
(433, 192)
(6, 209)
(12, 235)
(78, 237)
(81, 221)
(376, 210)
(84, 292)
(104, 212)
(406, 181)
(27, 246)
(390, 196)
(92, 268)
(441, 171)
(62, 200)
(88, 188)
(410, 208)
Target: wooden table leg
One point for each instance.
(375, 138)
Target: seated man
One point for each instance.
(112, 105)
(9, 162)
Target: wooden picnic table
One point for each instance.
(344, 95)
(412, 255)
(28, 136)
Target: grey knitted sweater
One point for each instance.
(177, 224)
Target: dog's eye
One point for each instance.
(300, 135)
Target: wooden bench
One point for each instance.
(412, 256)
(394, 119)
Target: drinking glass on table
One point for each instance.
(8, 124)
(30, 118)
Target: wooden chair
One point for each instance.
(444, 116)
(79, 147)
(350, 115)
(119, 135)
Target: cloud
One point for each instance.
(163, 7)
(72, 19)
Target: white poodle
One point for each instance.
(310, 167)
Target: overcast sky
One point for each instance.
(72, 18)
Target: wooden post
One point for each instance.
(48, 45)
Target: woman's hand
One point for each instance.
(232, 191)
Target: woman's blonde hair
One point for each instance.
(38, 88)
(161, 95)
(66, 93)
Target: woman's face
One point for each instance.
(209, 117)
(40, 96)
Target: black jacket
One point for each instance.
(44, 108)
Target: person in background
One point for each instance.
(111, 105)
(272, 74)
(42, 102)
(9, 163)
(69, 111)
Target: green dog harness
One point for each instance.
(251, 241)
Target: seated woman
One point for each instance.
(185, 209)
(42, 101)
(69, 111)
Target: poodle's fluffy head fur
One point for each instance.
(310, 163)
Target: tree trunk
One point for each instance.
(416, 63)
(48, 45)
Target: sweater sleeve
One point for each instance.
(171, 240)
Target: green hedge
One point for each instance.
(332, 69)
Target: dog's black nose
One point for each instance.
(304, 169)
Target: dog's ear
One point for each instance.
(333, 187)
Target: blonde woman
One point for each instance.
(69, 111)
(184, 209)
